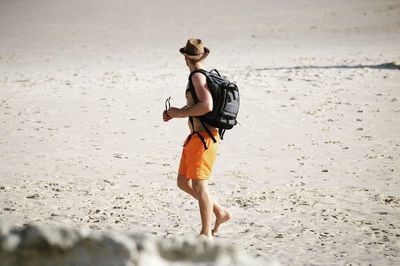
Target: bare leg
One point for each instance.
(200, 187)
(222, 215)
(186, 185)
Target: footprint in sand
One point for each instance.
(34, 196)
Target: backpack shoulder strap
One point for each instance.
(196, 100)
(191, 86)
(203, 71)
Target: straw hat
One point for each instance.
(195, 50)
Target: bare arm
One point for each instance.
(202, 107)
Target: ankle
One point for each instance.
(220, 212)
(207, 233)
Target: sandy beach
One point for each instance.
(311, 174)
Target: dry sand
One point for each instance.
(311, 174)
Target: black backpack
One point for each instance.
(226, 101)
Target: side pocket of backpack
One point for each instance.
(231, 106)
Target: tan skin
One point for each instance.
(199, 188)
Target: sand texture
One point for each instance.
(311, 174)
(43, 245)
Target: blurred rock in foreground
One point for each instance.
(42, 245)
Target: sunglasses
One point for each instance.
(168, 103)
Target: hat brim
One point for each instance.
(195, 57)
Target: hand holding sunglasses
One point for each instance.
(166, 117)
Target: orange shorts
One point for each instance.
(196, 161)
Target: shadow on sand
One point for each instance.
(385, 66)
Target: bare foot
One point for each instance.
(206, 237)
(221, 218)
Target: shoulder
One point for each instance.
(199, 79)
